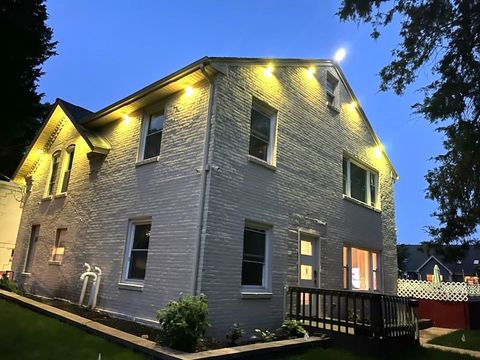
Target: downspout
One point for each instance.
(203, 180)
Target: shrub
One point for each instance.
(183, 322)
(264, 335)
(292, 329)
(7, 284)
(235, 334)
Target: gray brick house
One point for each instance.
(232, 176)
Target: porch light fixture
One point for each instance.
(268, 71)
(340, 55)
(378, 151)
(189, 91)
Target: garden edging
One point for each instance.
(152, 348)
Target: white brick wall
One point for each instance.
(306, 184)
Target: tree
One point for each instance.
(444, 36)
(26, 44)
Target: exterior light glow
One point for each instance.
(268, 71)
(311, 72)
(353, 105)
(340, 55)
(378, 151)
(188, 90)
(39, 152)
(126, 119)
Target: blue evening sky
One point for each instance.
(109, 49)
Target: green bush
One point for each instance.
(9, 285)
(292, 329)
(235, 334)
(183, 322)
(264, 335)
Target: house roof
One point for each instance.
(86, 121)
(458, 259)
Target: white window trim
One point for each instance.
(370, 264)
(64, 165)
(348, 186)
(146, 115)
(272, 114)
(128, 250)
(266, 276)
(334, 94)
(46, 195)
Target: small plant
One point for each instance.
(183, 322)
(292, 329)
(9, 285)
(235, 334)
(264, 335)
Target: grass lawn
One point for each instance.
(454, 339)
(413, 353)
(27, 335)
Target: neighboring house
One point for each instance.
(10, 212)
(455, 262)
(232, 177)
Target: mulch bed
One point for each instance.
(102, 318)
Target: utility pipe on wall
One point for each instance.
(85, 282)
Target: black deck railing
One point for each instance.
(350, 312)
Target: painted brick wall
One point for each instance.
(306, 185)
(105, 193)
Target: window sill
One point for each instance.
(27, 275)
(61, 195)
(147, 161)
(256, 295)
(358, 202)
(130, 286)
(53, 262)
(47, 198)
(260, 162)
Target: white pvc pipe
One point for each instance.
(85, 282)
(96, 287)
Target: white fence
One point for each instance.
(447, 291)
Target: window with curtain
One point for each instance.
(360, 269)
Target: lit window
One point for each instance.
(360, 183)
(32, 245)
(59, 247)
(136, 251)
(360, 269)
(68, 161)
(53, 173)
(254, 266)
(153, 135)
(262, 133)
(331, 90)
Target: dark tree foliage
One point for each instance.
(443, 36)
(26, 44)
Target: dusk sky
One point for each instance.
(109, 49)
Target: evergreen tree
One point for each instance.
(26, 43)
(444, 36)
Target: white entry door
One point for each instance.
(308, 268)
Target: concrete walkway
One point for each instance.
(152, 348)
(428, 334)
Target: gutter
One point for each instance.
(203, 182)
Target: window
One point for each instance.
(153, 136)
(360, 183)
(331, 90)
(68, 161)
(32, 245)
(360, 269)
(135, 262)
(53, 173)
(262, 133)
(254, 263)
(59, 247)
